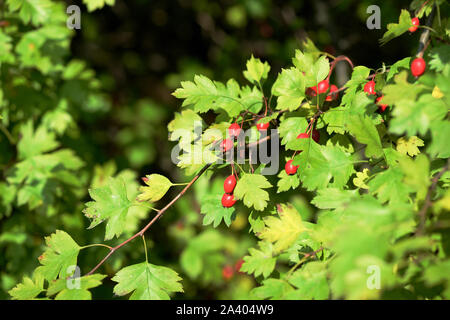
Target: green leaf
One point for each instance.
(332, 198)
(342, 142)
(409, 145)
(97, 4)
(412, 115)
(393, 70)
(336, 120)
(440, 58)
(287, 182)
(57, 120)
(440, 131)
(311, 282)
(147, 282)
(290, 89)
(6, 54)
(363, 129)
(36, 11)
(59, 257)
(256, 70)
(388, 186)
(157, 187)
(211, 207)
(110, 203)
(259, 262)
(28, 289)
(290, 128)
(205, 95)
(250, 188)
(78, 289)
(35, 142)
(274, 289)
(183, 126)
(417, 174)
(397, 29)
(315, 70)
(322, 166)
(284, 229)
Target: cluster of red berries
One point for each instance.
(228, 186)
(369, 88)
(228, 270)
(234, 130)
(415, 21)
(322, 87)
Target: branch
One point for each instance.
(161, 212)
(423, 42)
(427, 204)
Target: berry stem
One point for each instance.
(333, 64)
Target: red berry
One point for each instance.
(418, 67)
(234, 129)
(229, 184)
(382, 107)
(228, 200)
(321, 87)
(226, 145)
(227, 272)
(415, 21)
(262, 126)
(238, 265)
(369, 87)
(303, 135)
(333, 93)
(290, 168)
(315, 135)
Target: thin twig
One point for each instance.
(427, 204)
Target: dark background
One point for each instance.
(143, 49)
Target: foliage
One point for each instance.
(368, 204)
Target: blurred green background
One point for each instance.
(140, 50)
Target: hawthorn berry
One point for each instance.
(333, 93)
(315, 135)
(381, 106)
(228, 200)
(369, 87)
(290, 168)
(321, 87)
(227, 272)
(303, 135)
(415, 21)
(262, 126)
(229, 184)
(418, 67)
(234, 129)
(226, 145)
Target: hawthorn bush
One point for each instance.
(355, 211)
